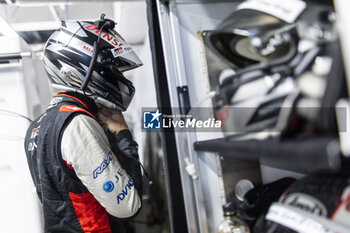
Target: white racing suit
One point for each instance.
(87, 181)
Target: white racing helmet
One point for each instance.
(89, 58)
(268, 55)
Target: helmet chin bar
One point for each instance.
(102, 24)
(96, 98)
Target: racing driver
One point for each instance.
(81, 154)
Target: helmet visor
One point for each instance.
(244, 51)
(121, 53)
(249, 37)
(125, 58)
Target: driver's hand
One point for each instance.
(112, 119)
